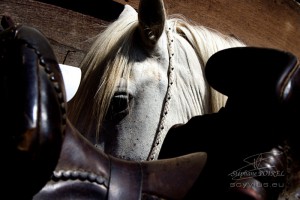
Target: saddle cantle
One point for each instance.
(245, 71)
(46, 157)
(33, 109)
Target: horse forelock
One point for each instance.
(105, 63)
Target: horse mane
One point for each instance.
(110, 58)
(199, 36)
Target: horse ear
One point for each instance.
(152, 17)
(127, 11)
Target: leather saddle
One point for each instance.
(260, 80)
(253, 132)
(263, 84)
(270, 75)
(84, 172)
(46, 157)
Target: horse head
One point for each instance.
(46, 157)
(142, 75)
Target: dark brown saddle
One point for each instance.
(254, 132)
(46, 157)
(84, 172)
(270, 75)
(263, 89)
(260, 83)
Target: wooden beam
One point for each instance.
(107, 10)
(70, 33)
(133, 3)
(265, 23)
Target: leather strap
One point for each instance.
(125, 180)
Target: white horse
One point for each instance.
(144, 74)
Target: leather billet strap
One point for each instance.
(125, 180)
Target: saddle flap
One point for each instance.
(172, 177)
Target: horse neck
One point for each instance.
(205, 43)
(204, 40)
(187, 91)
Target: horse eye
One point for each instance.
(119, 106)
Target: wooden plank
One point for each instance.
(69, 32)
(107, 10)
(265, 23)
(133, 3)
